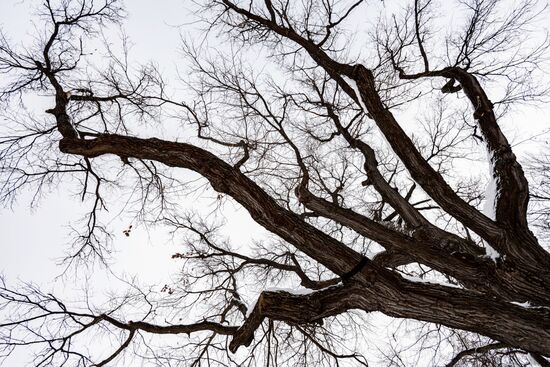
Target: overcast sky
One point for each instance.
(35, 238)
(32, 240)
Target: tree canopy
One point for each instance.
(357, 134)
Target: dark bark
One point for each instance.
(382, 290)
(489, 292)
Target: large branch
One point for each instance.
(295, 309)
(512, 187)
(516, 326)
(365, 94)
(442, 251)
(170, 329)
(227, 179)
(431, 181)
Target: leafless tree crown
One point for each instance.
(358, 149)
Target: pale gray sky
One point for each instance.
(32, 240)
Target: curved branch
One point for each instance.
(512, 186)
(295, 309)
(226, 179)
(119, 350)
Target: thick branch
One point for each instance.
(229, 180)
(516, 326)
(295, 309)
(431, 181)
(512, 186)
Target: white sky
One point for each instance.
(32, 240)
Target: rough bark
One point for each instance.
(382, 290)
(486, 300)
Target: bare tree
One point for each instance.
(367, 207)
